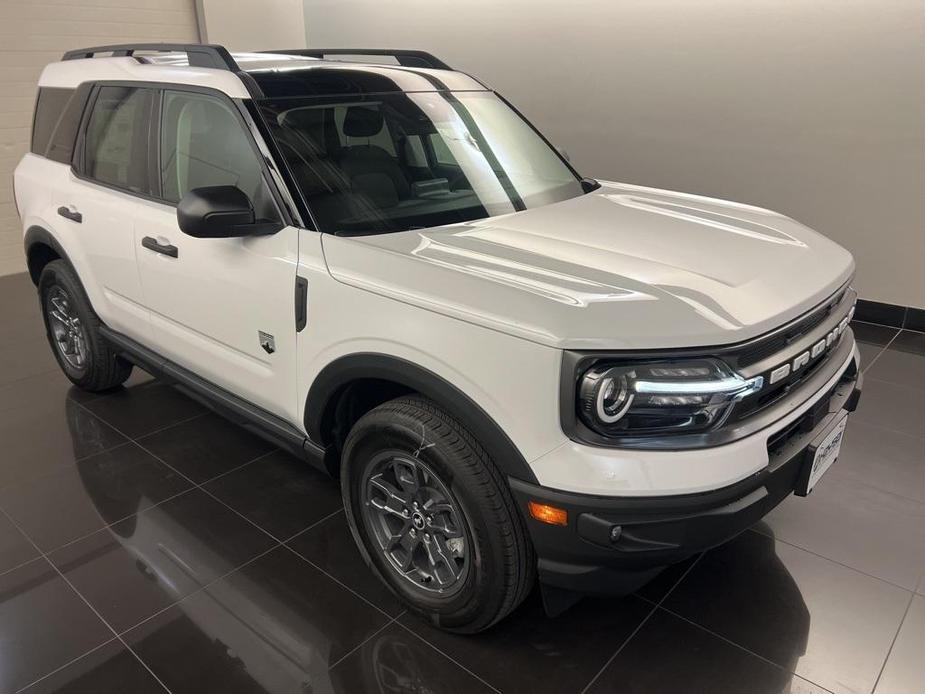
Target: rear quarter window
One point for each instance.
(49, 106)
(57, 120)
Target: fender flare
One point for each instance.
(370, 365)
(35, 235)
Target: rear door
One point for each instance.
(98, 204)
(222, 308)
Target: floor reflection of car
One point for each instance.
(252, 640)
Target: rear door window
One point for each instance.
(117, 138)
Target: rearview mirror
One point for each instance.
(221, 212)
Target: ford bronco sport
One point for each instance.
(517, 373)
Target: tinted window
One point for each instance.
(392, 162)
(204, 143)
(49, 107)
(442, 154)
(117, 138)
(61, 147)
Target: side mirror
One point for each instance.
(221, 212)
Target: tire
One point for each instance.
(485, 562)
(82, 353)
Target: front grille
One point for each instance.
(772, 394)
(779, 341)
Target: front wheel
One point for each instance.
(433, 517)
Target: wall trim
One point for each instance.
(892, 315)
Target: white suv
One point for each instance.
(516, 372)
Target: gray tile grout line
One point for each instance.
(65, 466)
(118, 635)
(890, 327)
(894, 383)
(26, 378)
(446, 655)
(883, 349)
(67, 664)
(198, 590)
(362, 643)
(893, 642)
(865, 483)
(221, 577)
(395, 619)
(202, 488)
(333, 578)
(655, 607)
(738, 645)
(87, 603)
(107, 526)
(880, 426)
(22, 564)
(829, 559)
(187, 420)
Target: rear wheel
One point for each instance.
(73, 332)
(433, 516)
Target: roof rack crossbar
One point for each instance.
(408, 58)
(198, 54)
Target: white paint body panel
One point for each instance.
(71, 73)
(208, 304)
(488, 306)
(623, 267)
(102, 248)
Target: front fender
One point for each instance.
(368, 365)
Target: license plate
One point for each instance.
(824, 454)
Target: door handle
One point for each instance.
(151, 244)
(70, 213)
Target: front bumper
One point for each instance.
(612, 545)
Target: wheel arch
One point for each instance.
(41, 248)
(381, 377)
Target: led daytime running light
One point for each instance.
(731, 386)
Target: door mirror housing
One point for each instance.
(221, 212)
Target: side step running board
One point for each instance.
(255, 419)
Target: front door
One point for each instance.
(222, 308)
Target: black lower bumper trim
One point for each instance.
(613, 545)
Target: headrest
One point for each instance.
(309, 123)
(361, 121)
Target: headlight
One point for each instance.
(660, 397)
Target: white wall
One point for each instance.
(34, 33)
(252, 25)
(815, 109)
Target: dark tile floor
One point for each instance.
(148, 544)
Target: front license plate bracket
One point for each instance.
(820, 455)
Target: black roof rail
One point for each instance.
(408, 58)
(198, 54)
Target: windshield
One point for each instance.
(392, 162)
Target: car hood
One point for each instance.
(623, 267)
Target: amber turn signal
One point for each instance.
(545, 513)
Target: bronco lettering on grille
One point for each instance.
(780, 372)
